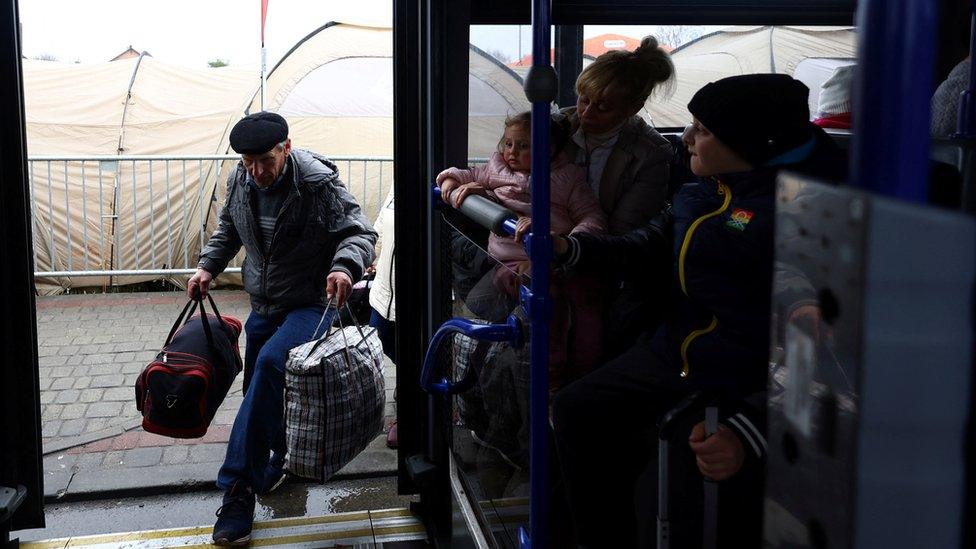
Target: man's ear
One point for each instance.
(287, 145)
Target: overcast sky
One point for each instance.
(190, 33)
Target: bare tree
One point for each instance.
(677, 35)
(499, 55)
(45, 57)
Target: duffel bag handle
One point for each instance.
(188, 311)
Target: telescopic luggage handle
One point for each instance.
(667, 427)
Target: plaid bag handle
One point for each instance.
(329, 331)
(355, 321)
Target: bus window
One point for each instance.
(703, 54)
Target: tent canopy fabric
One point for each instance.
(743, 50)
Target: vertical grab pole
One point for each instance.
(540, 89)
(892, 89)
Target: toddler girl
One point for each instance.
(574, 208)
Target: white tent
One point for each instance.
(89, 215)
(745, 50)
(335, 87)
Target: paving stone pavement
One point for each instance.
(91, 348)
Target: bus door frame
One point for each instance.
(431, 39)
(20, 412)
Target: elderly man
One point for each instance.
(306, 241)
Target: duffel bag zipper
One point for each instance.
(174, 357)
(193, 370)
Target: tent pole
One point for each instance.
(264, 78)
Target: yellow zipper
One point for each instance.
(687, 343)
(727, 193)
(722, 190)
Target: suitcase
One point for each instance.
(666, 430)
(179, 392)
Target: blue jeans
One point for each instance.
(386, 330)
(259, 428)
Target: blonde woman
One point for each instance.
(626, 160)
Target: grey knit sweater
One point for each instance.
(945, 102)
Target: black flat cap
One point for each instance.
(258, 133)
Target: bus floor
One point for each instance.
(364, 512)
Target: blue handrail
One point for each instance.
(541, 90)
(892, 87)
(434, 382)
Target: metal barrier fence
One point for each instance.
(147, 216)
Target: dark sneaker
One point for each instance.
(235, 517)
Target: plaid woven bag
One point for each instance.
(334, 400)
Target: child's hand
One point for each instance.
(467, 190)
(448, 185)
(522, 228)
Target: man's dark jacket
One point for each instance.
(319, 229)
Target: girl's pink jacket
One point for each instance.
(573, 206)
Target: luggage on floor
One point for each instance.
(179, 392)
(334, 400)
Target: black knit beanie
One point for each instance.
(759, 116)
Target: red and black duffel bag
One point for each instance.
(179, 392)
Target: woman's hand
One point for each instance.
(467, 190)
(719, 456)
(448, 185)
(522, 228)
(524, 270)
(560, 246)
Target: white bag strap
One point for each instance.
(329, 331)
(325, 313)
(355, 321)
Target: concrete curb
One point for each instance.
(77, 484)
(53, 447)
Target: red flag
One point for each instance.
(264, 15)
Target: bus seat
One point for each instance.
(951, 173)
(842, 138)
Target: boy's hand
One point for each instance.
(719, 456)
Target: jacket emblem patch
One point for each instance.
(739, 219)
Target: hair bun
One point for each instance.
(647, 47)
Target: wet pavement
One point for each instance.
(197, 509)
(91, 348)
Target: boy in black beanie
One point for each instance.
(710, 259)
